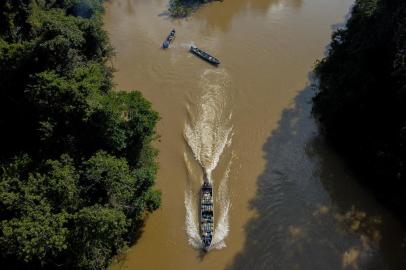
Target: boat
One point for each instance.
(169, 39)
(211, 59)
(206, 214)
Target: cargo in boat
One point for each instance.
(206, 215)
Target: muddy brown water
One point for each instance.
(284, 200)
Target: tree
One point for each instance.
(361, 102)
(77, 165)
(30, 229)
(97, 234)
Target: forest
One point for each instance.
(361, 99)
(77, 165)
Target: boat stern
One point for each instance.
(206, 242)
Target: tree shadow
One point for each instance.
(310, 212)
(133, 235)
(136, 230)
(231, 9)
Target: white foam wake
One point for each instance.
(187, 45)
(208, 132)
(223, 226)
(191, 220)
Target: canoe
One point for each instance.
(169, 39)
(205, 56)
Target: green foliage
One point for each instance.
(362, 99)
(97, 234)
(124, 122)
(77, 165)
(179, 8)
(39, 235)
(13, 17)
(183, 8)
(61, 182)
(29, 228)
(111, 178)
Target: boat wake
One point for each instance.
(222, 199)
(208, 132)
(187, 45)
(183, 45)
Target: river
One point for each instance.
(284, 200)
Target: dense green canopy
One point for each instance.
(362, 99)
(76, 162)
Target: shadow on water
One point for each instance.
(136, 231)
(134, 234)
(230, 9)
(310, 212)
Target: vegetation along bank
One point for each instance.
(361, 103)
(77, 165)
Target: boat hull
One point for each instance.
(169, 39)
(205, 56)
(206, 215)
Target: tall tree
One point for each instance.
(77, 165)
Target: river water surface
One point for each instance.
(284, 200)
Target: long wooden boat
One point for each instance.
(169, 39)
(206, 214)
(204, 55)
